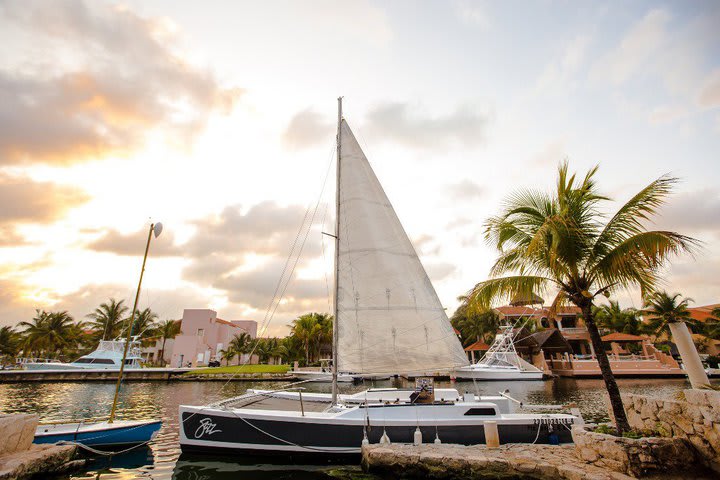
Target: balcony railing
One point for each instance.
(574, 330)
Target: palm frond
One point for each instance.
(489, 292)
(629, 219)
(639, 259)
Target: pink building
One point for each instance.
(203, 335)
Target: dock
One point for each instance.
(447, 461)
(134, 375)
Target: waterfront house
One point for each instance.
(202, 336)
(628, 357)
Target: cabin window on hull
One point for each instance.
(489, 411)
(104, 361)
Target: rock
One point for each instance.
(17, 432)
(45, 459)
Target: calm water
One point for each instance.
(162, 461)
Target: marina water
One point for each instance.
(161, 460)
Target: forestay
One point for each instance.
(390, 319)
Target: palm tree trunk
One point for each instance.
(688, 353)
(616, 403)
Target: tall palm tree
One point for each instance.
(310, 329)
(166, 330)
(227, 354)
(711, 326)
(616, 319)
(107, 318)
(241, 344)
(669, 313)
(50, 332)
(562, 240)
(144, 324)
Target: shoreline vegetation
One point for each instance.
(239, 369)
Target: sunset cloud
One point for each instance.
(308, 128)
(124, 78)
(403, 124)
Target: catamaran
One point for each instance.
(387, 319)
(501, 362)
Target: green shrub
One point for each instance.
(606, 429)
(713, 361)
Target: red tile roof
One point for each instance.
(622, 337)
(225, 322)
(702, 313)
(479, 345)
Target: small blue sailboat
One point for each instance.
(99, 434)
(111, 432)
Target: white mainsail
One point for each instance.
(390, 319)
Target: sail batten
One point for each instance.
(390, 319)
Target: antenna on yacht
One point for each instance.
(155, 228)
(337, 260)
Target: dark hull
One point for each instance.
(285, 437)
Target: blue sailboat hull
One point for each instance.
(100, 434)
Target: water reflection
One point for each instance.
(162, 461)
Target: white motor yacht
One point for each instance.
(107, 356)
(501, 362)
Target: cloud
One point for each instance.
(115, 242)
(265, 228)
(439, 271)
(306, 129)
(465, 190)
(551, 154)
(473, 13)
(24, 200)
(558, 75)
(709, 96)
(636, 48)
(255, 288)
(243, 254)
(113, 78)
(400, 123)
(691, 213)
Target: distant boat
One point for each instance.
(107, 356)
(324, 375)
(501, 362)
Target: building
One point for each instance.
(571, 353)
(704, 344)
(201, 338)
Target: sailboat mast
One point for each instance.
(337, 260)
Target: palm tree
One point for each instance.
(144, 324)
(227, 355)
(616, 319)
(475, 325)
(562, 240)
(107, 318)
(669, 313)
(240, 344)
(9, 342)
(50, 332)
(311, 329)
(166, 330)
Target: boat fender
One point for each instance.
(365, 440)
(437, 439)
(384, 440)
(417, 437)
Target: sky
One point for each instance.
(218, 119)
